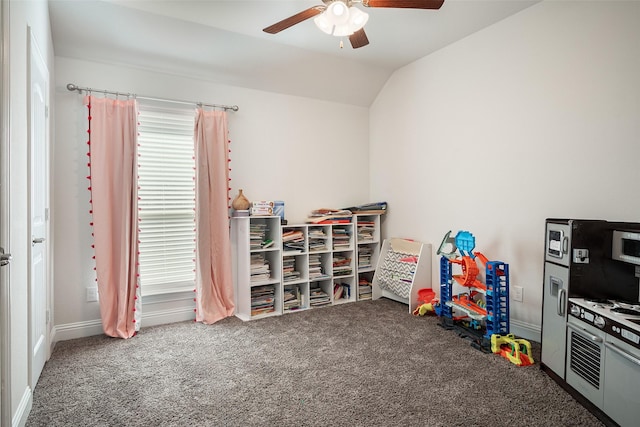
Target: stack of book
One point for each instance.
(364, 257)
(289, 272)
(364, 289)
(341, 237)
(318, 297)
(262, 299)
(257, 235)
(293, 240)
(341, 291)
(378, 208)
(260, 270)
(317, 239)
(365, 231)
(293, 299)
(315, 268)
(329, 216)
(341, 265)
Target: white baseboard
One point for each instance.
(23, 409)
(154, 318)
(70, 331)
(525, 330)
(89, 328)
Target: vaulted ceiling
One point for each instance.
(223, 41)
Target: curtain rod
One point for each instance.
(71, 87)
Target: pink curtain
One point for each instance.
(214, 280)
(112, 142)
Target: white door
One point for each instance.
(38, 146)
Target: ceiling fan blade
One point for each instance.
(407, 4)
(358, 39)
(295, 19)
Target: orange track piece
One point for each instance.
(466, 302)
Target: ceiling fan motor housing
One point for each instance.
(340, 18)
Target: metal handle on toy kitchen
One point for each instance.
(585, 333)
(622, 353)
(561, 302)
(37, 240)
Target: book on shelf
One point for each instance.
(370, 212)
(329, 216)
(318, 297)
(259, 268)
(257, 235)
(341, 237)
(292, 234)
(377, 208)
(262, 299)
(293, 240)
(364, 288)
(289, 272)
(364, 257)
(329, 211)
(293, 298)
(341, 291)
(341, 265)
(316, 270)
(332, 221)
(317, 233)
(365, 233)
(317, 239)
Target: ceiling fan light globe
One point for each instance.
(343, 30)
(357, 19)
(337, 13)
(323, 23)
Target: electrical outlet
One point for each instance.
(92, 294)
(516, 293)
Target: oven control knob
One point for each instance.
(575, 310)
(599, 322)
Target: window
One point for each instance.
(166, 199)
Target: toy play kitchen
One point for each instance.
(591, 315)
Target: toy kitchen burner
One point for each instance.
(619, 319)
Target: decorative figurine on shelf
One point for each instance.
(240, 203)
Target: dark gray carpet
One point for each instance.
(367, 363)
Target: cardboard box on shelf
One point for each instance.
(265, 211)
(262, 204)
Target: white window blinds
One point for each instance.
(166, 171)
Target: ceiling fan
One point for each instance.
(341, 18)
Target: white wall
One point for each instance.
(534, 117)
(22, 16)
(309, 153)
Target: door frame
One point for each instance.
(5, 287)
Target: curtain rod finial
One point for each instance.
(71, 87)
